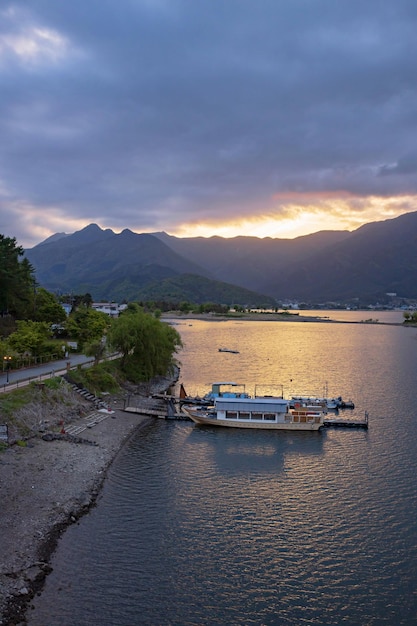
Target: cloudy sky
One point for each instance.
(200, 117)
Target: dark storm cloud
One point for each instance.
(147, 113)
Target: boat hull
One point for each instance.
(205, 420)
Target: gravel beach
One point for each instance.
(47, 485)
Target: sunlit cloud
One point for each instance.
(35, 45)
(35, 228)
(106, 117)
(29, 43)
(295, 220)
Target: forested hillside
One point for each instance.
(339, 266)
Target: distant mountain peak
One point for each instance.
(126, 232)
(91, 233)
(328, 266)
(91, 227)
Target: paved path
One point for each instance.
(15, 379)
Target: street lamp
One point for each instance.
(6, 363)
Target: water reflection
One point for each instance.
(235, 452)
(216, 526)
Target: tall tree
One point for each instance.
(47, 308)
(147, 344)
(30, 337)
(17, 280)
(87, 325)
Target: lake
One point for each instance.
(201, 525)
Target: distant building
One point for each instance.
(109, 308)
(67, 308)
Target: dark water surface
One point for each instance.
(211, 526)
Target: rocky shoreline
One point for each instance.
(48, 484)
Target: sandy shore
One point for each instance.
(182, 318)
(46, 486)
(244, 317)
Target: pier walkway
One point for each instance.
(336, 422)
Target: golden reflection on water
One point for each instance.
(292, 357)
(208, 525)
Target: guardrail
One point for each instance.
(24, 382)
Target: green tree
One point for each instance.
(76, 300)
(87, 325)
(185, 307)
(87, 299)
(97, 349)
(30, 337)
(47, 308)
(410, 317)
(147, 344)
(17, 280)
(4, 349)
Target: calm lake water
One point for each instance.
(209, 526)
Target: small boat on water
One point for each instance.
(228, 350)
(330, 403)
(345, 404)
(261, 412)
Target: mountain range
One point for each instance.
(363, 266)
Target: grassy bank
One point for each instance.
(104, 377)
(38, 407)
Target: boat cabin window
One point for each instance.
(256, 415)
(270, 417)
(244, 415)
(231, 415)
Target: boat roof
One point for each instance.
(255, 403)
(226, 383)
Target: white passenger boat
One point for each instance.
(267, 413)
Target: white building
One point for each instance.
(110, 308)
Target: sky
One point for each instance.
(270, 118)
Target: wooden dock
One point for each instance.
(145, 411)
(346, 423)
(170, 412)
